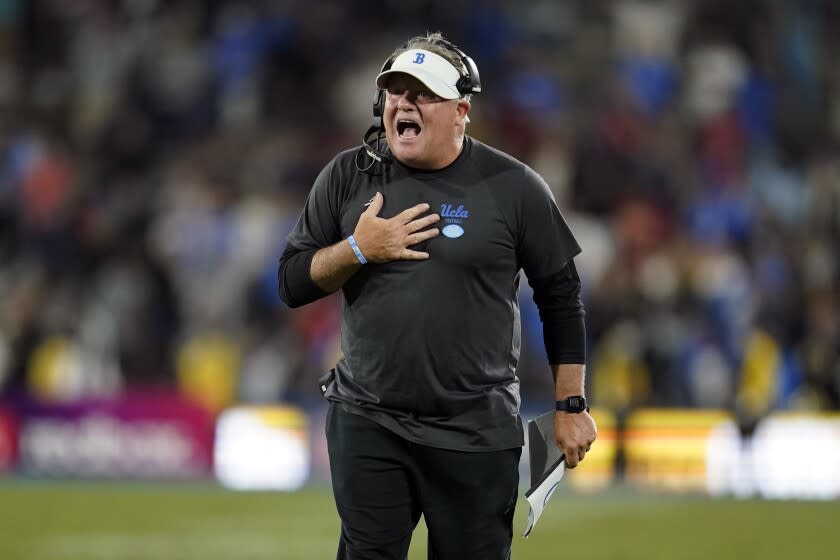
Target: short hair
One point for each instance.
(433, 42)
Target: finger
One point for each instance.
(421, 223)
(571, 460)
(375, 204)
(416, 238)
(410, 213)
(409, 255)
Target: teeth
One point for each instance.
(404, 124)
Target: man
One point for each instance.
(426, 240)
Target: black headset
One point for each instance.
(467, 84)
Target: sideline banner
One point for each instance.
(133, 436)
(759, 465)
(667, 449)
(262, 448)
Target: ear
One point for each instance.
(462, 110)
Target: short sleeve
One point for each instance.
(545, 242)
(319, 223)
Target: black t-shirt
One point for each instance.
(431, 347)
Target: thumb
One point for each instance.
(375, 205)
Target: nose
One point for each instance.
(404, 103)
(403, 100)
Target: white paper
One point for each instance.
(539, 496)
(548, 466)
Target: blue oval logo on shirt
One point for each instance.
(452, 231)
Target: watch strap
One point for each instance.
(574, 404)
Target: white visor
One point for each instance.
(433, 70)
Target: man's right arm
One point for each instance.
(308, 275)
(305, 276)
(295, 284)
(332, 266)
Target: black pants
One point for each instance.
(382, 483)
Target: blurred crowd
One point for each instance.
(154, 154)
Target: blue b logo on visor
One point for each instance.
(419, 58)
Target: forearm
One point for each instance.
(333, 266)
(569, 380)
(573, 432)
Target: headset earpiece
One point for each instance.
(379, 103)
(470, 82)
(379, 98)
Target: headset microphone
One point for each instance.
(371, 147)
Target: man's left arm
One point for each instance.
(564, 334)
(546, 250)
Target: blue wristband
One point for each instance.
(359, 255)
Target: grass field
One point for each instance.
(105, 521)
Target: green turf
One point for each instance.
(87, 521)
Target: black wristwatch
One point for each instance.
(575, 404)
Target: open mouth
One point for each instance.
(408, 129)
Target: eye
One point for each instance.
(426, 95)
(394, 90)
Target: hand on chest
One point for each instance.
(473, 230)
